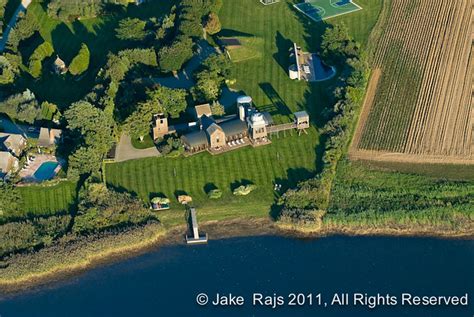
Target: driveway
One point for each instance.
(125, 150)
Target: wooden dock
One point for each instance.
(195, 238)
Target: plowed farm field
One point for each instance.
(419, 103)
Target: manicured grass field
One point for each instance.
(66, 38)
(47, 200)
(265, 78)
(286, 161)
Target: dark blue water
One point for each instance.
(46, 171)
(322, 71)
(165, 282)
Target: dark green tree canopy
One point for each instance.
(131, 30)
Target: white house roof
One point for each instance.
(244, 99)
(301, 115)
(258, 119)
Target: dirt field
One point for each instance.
(419, 104)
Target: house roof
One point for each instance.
(59, 62)
(48, 137)
(5, 161)
(213, 128)
(11, 141)
(234, 127)
(196, 138)
(204, 109)
(301, 115)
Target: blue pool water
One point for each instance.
(321, 70)
(46, 171)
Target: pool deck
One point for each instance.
(27, 173)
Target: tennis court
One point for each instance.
(319, 10)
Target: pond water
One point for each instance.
(166, 282)
(46, 171)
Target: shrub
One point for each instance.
(43, 51)
(244, 190)
(214, 194)
(80, 63)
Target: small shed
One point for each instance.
(59, 66)
(302, 120)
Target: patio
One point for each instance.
(34, 163)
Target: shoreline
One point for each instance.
(224, 229)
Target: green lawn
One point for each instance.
(286, 161)
(265, 78)
(66, 38)
(47, 200)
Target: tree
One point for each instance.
(167, 100)
(80, 62)
(72, 9)
(7, 71)
(213, 24)
(9, 200)
(94, 132)
(131, 30)
(337, 44)
(101, 208)
(94, 125)
(217, 109)
(207, 86)
(22, 106)
(172, 58)
(43, 51)
(138, 123)
(25, 28)
(210, 78)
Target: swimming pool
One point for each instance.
(321, 70)
(46, 171)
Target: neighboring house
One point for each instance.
(49, 137)
(59, 66)
(8, 163)
(13, 143)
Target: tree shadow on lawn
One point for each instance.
(209, 186)
(232, 33)
(278, 105)
(65, 43)
(282, 55)
(237, 183)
